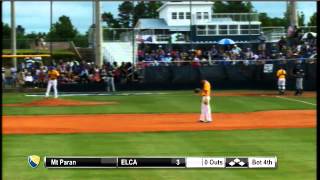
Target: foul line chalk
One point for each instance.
(305, 102)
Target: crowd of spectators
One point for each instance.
(34, 74)
(293, 46)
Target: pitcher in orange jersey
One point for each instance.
(281, 74)
(205, 104)
(53, 75)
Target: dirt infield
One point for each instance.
(59, 102)
(107, 123)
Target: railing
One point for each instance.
(273, 33)
(238, 16)
(235, 61)
(74, 48)
(306, 29)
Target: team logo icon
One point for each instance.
(34, 161)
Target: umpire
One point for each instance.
(298, 73)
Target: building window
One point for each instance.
(188, 15)
(181, 15)
(233, 29)
(201, 30)
(223, 29)
(174, 15)
(249, 29)
(212, 30)
(198, 15)
(244, 29)
(205, 15)
(255, 29)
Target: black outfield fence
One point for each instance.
(221, 77)
(226, 76)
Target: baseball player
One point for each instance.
(53, 75)
(298, 73)
(205, 103)
(281, 74)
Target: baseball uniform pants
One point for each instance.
(282, 84)
(299, 83)
(52, 83)
(205, 109)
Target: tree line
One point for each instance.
(130, 12)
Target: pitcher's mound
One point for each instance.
(60, 102)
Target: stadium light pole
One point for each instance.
(293, 14)
(13, 33)
(98, 31)
(51, 12)
(190, 34)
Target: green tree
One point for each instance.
(63, 30)
(20, 31)
(126, 14)
(232, 7)
(152, 7)
(110, 20)
(268, 21)
(6, 31)
(33, 35)
(313, 20)
(140, 11)
(301, 18)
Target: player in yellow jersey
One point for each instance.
(205, 103)
(53, 75)
(281, 74)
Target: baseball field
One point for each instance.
(164, 123)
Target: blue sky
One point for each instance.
(35, 16)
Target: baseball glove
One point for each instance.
(197, 90)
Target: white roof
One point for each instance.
(185, 3)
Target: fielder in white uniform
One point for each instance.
(53, 75)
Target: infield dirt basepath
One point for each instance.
(108, 123)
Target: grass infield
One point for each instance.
(295, 148)
(180, 102)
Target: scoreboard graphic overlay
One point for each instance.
(159, 162)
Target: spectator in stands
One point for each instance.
(41, 73)
(296, 36)
(167, 59)
(28, 79)
(13, 74)
(262, 44)
(3, 77)
(84, 75)
(140, 55)
(198, 53)
(21, 78)
(248, 55)
(213, 53)
(196, 62)
(235, 52)
(282, 43)
(96, 75)
(110, 81)
(274, 51)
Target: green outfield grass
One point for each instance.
(173, 102)
(295, 149)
